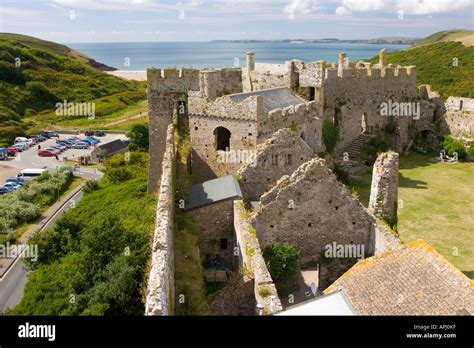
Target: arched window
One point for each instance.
(222, 138)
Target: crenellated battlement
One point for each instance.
(370, 72)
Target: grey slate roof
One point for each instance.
(113, 146)
(275, 98)
(212, 191)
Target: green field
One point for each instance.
(437, 206)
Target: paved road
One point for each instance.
(13, 282)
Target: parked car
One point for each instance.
(41, 137)
(99, 133)
(16, 179)
(46, 153)
(20, 146)
(12, 186)
(94, 139)
(80, 145)
(50, 134)
(59, 147)
(20, 140)
(89, 133)
(11, 151)
(3, 153)
(4, 190)
(65, 143)
(52, 149)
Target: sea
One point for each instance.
(138, 56)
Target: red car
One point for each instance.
(11, 151)
(46, 153)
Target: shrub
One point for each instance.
(374, 146)
(452, 146)
(139, 137)
(116, 175)
(90, 186)
(330, 135)
(283, 262)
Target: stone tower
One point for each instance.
(384, 190)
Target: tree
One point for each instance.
(139, 137)
(283, 262)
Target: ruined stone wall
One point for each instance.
(266, 76)
(311, 74)
(361, 91)
(160, 289)
(383, 239)
(215, 83)
(306, 118)
(215, 222)
(165, 88)
(239, 118)
(459, 118)
(384, 189)
(280, 155)
(251, 259)
(310, 210)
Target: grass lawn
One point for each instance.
(437, 206)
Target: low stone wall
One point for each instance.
(251, 259)
(160, 291)
(383, 239)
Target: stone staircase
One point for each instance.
(357, 146)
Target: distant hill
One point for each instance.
(380, 40)
(461, 35)
(36, 74)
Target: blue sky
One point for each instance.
(203, 20)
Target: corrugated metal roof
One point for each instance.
(275, 98)
(212, 191)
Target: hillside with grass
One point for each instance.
(94, 261)
(446, 66)
(36, 74)
(447, 35)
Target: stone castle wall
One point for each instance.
(305, 118)
(251, 260)
(459, 118)
(160, 289)
(384, 189)
(205, 117)
(357, 94)
(316, 205)
(164, 88)
(280, 155)
(215, 83)
(215, 222)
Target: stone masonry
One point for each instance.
(384, 190)
(280, 155)
(160, 289)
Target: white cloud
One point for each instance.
(422, 7)
(342, 11)
(300, 6)
(414, 7)
(366, 5)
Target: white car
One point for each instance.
(80, 145)
(20, 146)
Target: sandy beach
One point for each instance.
(129, 75)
